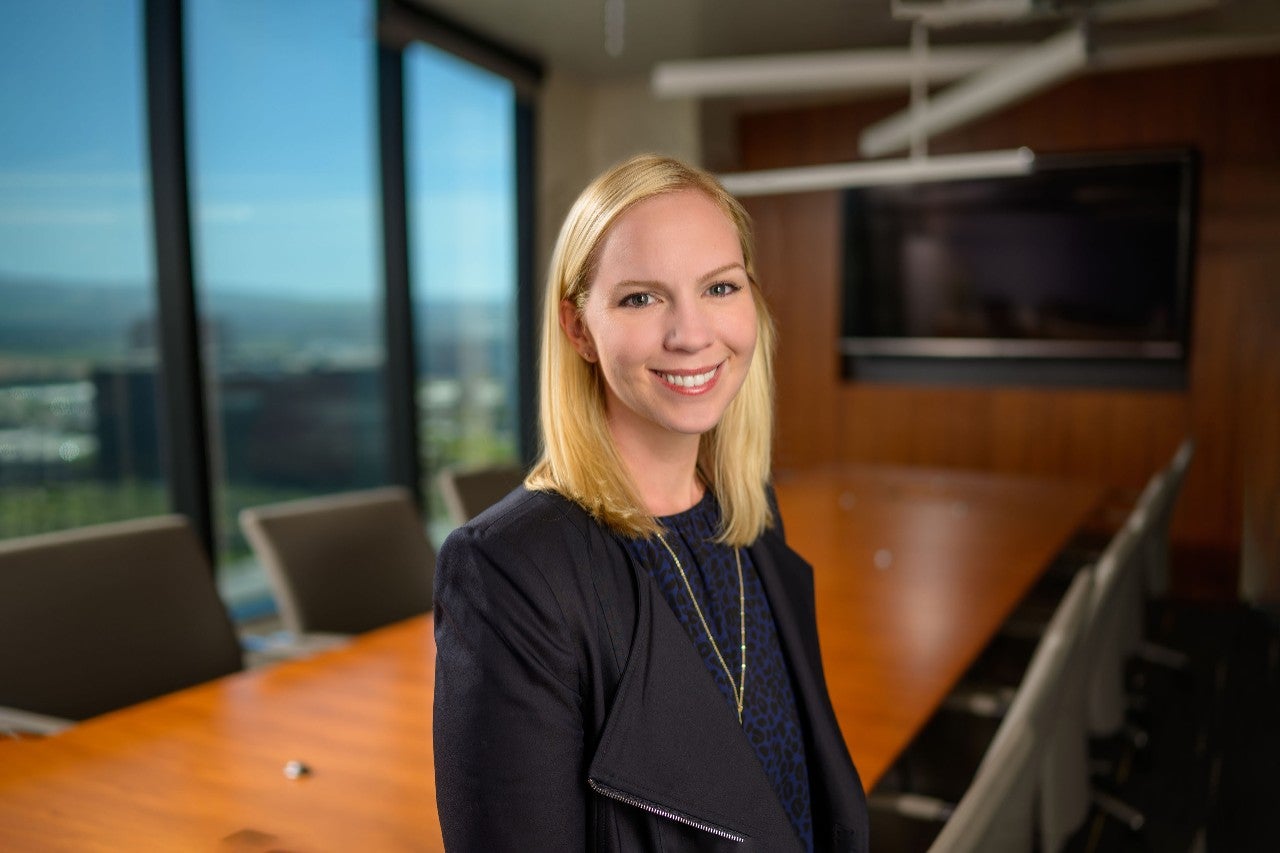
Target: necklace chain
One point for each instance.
(739, 690)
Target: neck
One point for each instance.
(665, 472)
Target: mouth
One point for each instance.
(697, 381)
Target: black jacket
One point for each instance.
(573, 713)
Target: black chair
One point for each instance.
(344, 563)
(101, 617)
(467, 492)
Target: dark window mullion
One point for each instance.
(527, 290)
(186, 439)
(401, 22)
(401, 366)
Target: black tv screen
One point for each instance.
(1088, 257)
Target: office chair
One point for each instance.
(344, 563)
(997, 812)
(469, 492)
(1110, 634)
(101, 617)
(1151, 513)
(1148, 523)
(1034, 771)
(1156, 547)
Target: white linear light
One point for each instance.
(1143, 54)
(944, 167)
(881, 68)
(948, 13)
(994, 87)
(892, 68)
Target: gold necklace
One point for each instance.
(739, 690)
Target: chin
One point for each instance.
(693, 426)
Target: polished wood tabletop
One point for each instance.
(914, 570)
(203, 769)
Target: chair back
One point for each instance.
(1155, 548)
(1061, 721)
(1040, 737)
(101, 617)
(995, 815)
(469, 492)
(1142, 524)
(344, 563)
(1110, 629)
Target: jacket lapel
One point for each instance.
(673, 746)
(788, 583)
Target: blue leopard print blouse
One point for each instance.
(770, 720)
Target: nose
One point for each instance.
(690, 326)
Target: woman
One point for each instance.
(627, 654)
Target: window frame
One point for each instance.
(182, 382)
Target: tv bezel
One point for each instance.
(861, 353)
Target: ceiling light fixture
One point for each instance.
(615, 27)
(950, 13)
(996, 86)
(995, 83)
(943, 167)
(862, 70)
(917, 168)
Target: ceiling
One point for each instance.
(570, 35)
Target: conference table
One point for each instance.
(914, 571)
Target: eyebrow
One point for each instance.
(724, 269)
(705, 277)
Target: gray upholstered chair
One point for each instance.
(1155, 547)
(1113, 633)
(344, 563)
(997, 812)
(1150, 517)
(468, 492)
(101, 617)
(1062, 725)
(1149, 523)
(1115, 611)
(1111, 630)
(1037, 761)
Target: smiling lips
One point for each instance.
(690, 382)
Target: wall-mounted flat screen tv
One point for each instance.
(1089, 257)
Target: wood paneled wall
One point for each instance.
(1228, 110)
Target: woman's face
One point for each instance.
(669, 318)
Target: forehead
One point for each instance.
(684, 226)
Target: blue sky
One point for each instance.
(70, 182)
(283, 151)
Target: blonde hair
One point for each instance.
(579, 459)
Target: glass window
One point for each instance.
(285, 209)
(78, 408)
(460, 130)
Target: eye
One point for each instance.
(636, 300)
(723, 288)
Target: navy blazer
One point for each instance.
(573, 713)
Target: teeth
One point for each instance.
(695, 381)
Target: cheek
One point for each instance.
(625, 344)
(744, 332)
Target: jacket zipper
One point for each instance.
(615, 794)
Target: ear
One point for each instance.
(576, 330)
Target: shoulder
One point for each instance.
(538, 570)
(534, 540)
(535, 522)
